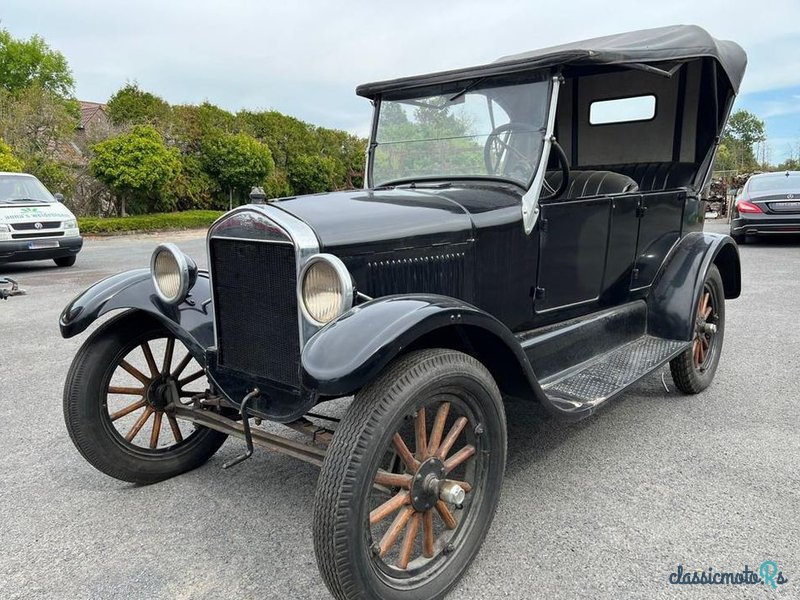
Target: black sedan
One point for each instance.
(769, 204)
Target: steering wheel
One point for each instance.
(564, 164)
(497, 146)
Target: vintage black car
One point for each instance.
(768, 205)
(530, 228)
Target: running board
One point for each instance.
(587, 385)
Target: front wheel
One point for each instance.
(694, 369)
(117, 396)
(400, 525)
(65, 261)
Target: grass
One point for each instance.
(190, 219)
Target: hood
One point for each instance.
(413, 218)
(22, 212)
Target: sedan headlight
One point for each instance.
(325, 289)
(173, 273)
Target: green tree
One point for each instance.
(32, 62)
(137, 166)
(237, 161)
(130, 104)
(743, 131)
(9, 162)
(311, 174)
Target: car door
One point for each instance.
(572, 255)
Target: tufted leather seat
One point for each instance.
(656, 176)
(590, 183)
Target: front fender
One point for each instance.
(191, 321)
(350, 352)
(675, 294)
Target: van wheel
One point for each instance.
(400, 525)
(694, 369)
(65, 261)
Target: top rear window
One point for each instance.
(775, 183)
(622, 110)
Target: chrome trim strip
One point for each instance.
(530, 201)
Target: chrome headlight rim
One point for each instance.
(345, 282)
(185, 267)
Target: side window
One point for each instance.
(622, 110)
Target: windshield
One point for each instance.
(483, 128)
(16, 188)
(773, 183)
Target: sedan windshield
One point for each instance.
(479, 128)
(775, 183)
(20, 188)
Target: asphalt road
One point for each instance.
(606, 508)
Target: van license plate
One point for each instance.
(42, 244)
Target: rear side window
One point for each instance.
(622, 110)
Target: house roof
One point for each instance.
(673, 43)
(88, 112)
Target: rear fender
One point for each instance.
(191, 321)
(675, 295)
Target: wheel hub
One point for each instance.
(425, 485)
(161, 392)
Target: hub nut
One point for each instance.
(451, 492)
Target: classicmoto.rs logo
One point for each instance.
(767, 574)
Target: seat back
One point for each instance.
(657, 176)
(584, 184)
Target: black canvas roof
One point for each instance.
(676, 42)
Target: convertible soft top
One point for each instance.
(647, 46)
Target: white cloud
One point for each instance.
(305, 58)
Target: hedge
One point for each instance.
(190, 219)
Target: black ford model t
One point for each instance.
(530, 228)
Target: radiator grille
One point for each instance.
(255, 307)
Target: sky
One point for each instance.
(305, 58)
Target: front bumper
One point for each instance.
(766, 224)
(20, 250)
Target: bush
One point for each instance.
(191, 219)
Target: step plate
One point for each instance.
(608, 375)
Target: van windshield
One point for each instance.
(21, 188)
(487, 128)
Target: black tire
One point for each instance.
(692, 376)
(86, 411)
(350, 562)
(65, 261)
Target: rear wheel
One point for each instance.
(395, 524)
(694, 369)
(116, 402)
(65, 261)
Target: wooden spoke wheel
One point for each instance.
(694, 369)
(146, 382)
(411, 480)
(117, 402)
(705, 329)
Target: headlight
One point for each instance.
(4, 228)
(173, 273)
(326, 289)
(71, 224)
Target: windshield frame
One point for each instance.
(464, 86)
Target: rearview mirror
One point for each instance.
(59, 196)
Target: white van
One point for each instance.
(34, 224)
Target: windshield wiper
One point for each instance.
(25, 200)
